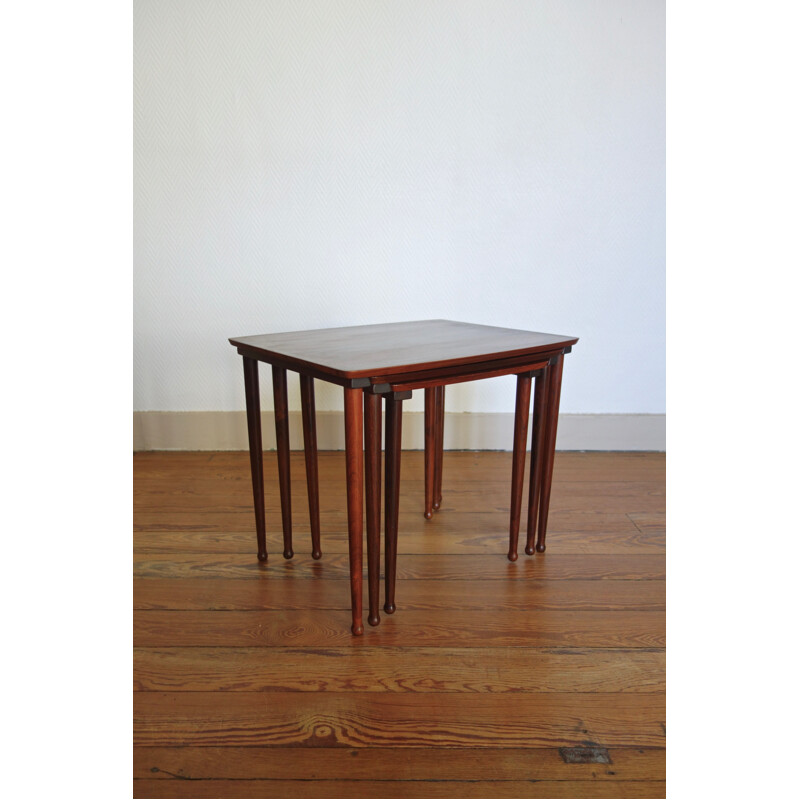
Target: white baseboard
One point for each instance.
(227, 430)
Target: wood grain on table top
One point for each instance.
(364, 350)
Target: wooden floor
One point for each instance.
(542, 678)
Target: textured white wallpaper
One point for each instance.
(308, 164)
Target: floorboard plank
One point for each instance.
(436, 764)
(653, 522)
(397, 669)
(409, 522)
(449, 628)
(156, 490)
(358, 719)
(552, 566)
(399, 789)
(287, 593)
(488, 496)
(458, 466)
(431, 540)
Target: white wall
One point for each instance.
(309, 164)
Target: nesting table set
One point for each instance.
(389, 361)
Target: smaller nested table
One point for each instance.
(390, 361)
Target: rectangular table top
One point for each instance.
(397, 347)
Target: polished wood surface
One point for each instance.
(434, 379)
(222, 468)
(397, 763)
(280, 395)
(436, 565)
(248, 684)
(253, 403)
(463, 373)
(541, 473)
(424, 670)
(537, 455)
(393, 439)
(430, 450)
(180, 591)
(447, 628)
(438, 444)
(391, 348)
(309, 413)
(372, 465)
(396, 358)
(458, 498)
(376, 787)
(518, 459)
(354, 462)
(367, 719)
(553, 391)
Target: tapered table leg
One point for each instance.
(537, 455)
(394, 425)
(553, 398)
(372, 459)
(439, 444)
(354, 458)
(282, 439)
(430, 448)
(518, 459)
(253, 401)
(310, 447)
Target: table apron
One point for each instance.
(460, 374)
(421, 379)
(303, 368)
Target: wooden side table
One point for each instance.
(389, 361)
(547, 371)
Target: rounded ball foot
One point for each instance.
(390, 609)
(436, 506)
(317, 554)
(529, 550)
(512, 556)
(376, 620)
(357, 630)
(540, 548)
(262, 556)
(428, 514)
(287, 554)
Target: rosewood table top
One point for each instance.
(353, 356)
